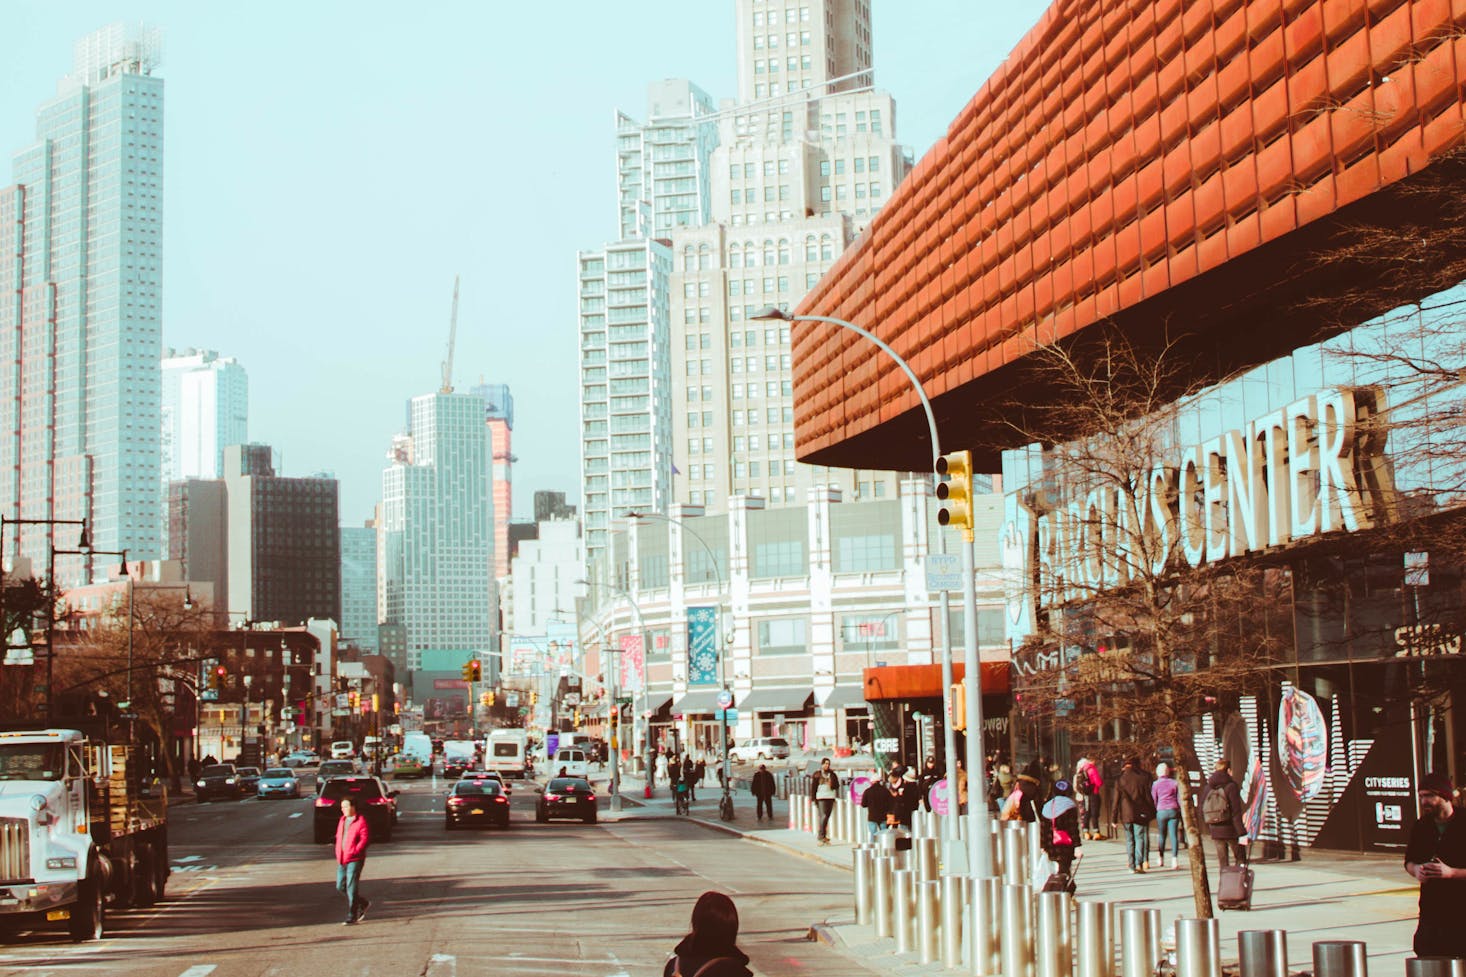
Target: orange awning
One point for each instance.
(903, 682)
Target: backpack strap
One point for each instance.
(705, 967)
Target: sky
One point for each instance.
(329, 167)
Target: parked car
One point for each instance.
(215, 781)
(567, 797)
(278, 782)
(761, 748)
(373, 799)
(478, 801)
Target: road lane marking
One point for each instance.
(199, 970)
(298, 814)
(442, 965)
(190, 858)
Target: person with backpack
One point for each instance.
(1222, 810)
(1060, 830)
(1137, 810)
(1087, 785)
(711, 949)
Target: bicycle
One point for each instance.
(683, 799)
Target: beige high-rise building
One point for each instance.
(806, 157)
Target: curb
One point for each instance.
(824, 932)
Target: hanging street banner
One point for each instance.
(702, 646)
(633, 662)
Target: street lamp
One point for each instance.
(83, 542)
(977, 849)
(85, 550)
(725, 804)
(645, 636)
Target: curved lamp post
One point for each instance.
(977, 849)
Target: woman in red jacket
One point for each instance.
(351, 852)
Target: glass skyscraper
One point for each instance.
(80, 329)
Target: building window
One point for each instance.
(783, 636)
(865, 554)
(871, 632)
(779, 558)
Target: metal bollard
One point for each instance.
(1054, 936)
(903, 909)
(793, 815)
(918, 823)
(864, 858)
(928, 910)
(954, 898)
(1263, 953)
(836, 830)
(984, 923)
(926, 851)
(1017, 931)
(1435, 967)
(884, 880)
(1095, 946)
(1015, 856)
(1198, 948)
(1034, 833)
(1340, 958)
(1140, 938)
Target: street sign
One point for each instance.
(943, 571)
(511, 700)
(725, 699)
(572, 698)
(730, 714)
(887, 744)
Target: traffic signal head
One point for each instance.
(490, 694)
(376, 702)
(478, 669)
(216, 676)
(354, 698)
(467, 671)
(955, 491)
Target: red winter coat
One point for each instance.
(352, 840)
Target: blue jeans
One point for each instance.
(1168, 825)
(348, 877)
(1137, 844)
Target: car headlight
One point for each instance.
(228, 780)
(65, 861)
(200, 784)
(38, 802)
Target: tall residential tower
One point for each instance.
(80, 328)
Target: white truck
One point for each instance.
(506, 750)
(76, 834)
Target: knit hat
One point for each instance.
(1062, 787)
(1438, 784)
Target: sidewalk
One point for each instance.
(1325, 896)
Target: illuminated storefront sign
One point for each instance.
(1313, 467)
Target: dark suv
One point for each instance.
(217, 780)
(373, 801)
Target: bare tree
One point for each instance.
(24, 608)
(1139, 628)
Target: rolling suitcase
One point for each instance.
(1060, 882)
(1235, 890)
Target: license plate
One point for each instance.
(567, 800)
(58, 914)
(477, 810)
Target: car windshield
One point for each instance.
(279, 772)
(570, 756)
(778, 742)
(350, 787)
(32, 761)
(218, 770)
(337, 766)
(249, 771)
(476, 788)
(567, 785)
(506, 749)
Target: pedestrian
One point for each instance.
(930, 774)
(762, 788)
(961, 788)
(879, 803)
(824, 791)
(661, 769)
(1022, 803)
(1001, 784)
(1222, 810)
(711, 949)
(1087, 785)
(690, 777)
(1167, 797)
(193, 768)
(352, 840)
(1436, 856)
(700, 771)
(1137, 810)
(1059, 829)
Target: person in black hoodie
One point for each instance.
(930, 774)
(1224, 824)
(711, 949)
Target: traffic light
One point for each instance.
(216, 676)
(959, 706)
(956, 491)
(478, 669)
(353, 698)
(467, 671)
(376, 702)
(534, 697)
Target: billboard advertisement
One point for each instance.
(562, 644)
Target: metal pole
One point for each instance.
(1096, 943)
(977, 813)
(1340, 958)
(1053, 938)
(953, 901)
(928, 908)
(1017, 950)
(1264, 953)
(984, 916)
(1198, 948)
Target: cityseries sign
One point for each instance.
(1313, 467)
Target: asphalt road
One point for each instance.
(252, 895)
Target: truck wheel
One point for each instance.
(141, 877)
(86, 915)
(160, 878)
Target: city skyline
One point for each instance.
(257, 281)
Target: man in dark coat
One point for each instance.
(1227, 829)
(762, 787)
(1137, 810)
(690, 776)
(1436, 856)
(930, 774)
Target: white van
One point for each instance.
(572, 760)
(505, 751)
(343, 750)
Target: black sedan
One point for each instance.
(476, 802)
(567, 797)
(372, 799)
(217, 780)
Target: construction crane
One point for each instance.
(447, 387)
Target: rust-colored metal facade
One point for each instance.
(1132, 161)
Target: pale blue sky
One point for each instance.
(330, 166)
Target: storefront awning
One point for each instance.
(776, 700)
(656, 702)
(907, 682)
(698, 701)
(843, 697)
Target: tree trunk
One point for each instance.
(1200, 885)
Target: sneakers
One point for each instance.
(349, 922)
(1175, 863)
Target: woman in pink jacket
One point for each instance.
(351, 852)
